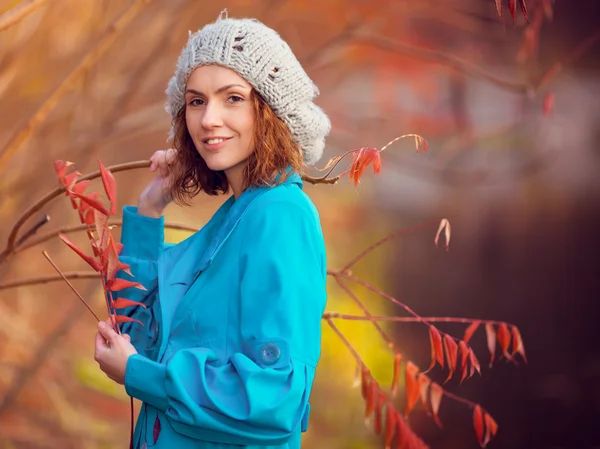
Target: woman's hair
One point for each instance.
(275, 151)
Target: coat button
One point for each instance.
(270, 353)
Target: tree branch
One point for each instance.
(14, 15)
(103, 43)
(12, 238)
(70, 229)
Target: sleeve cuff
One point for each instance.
(142, 237)
(145, 380)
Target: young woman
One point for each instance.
(231, 332)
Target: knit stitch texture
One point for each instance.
(260, 56)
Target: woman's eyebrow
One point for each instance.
(218, 91)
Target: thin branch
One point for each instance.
(364, 309)
(51, 278)
(45, 219)
(103, 43)
(70, 229)
(383, 241)
(11, 244)
(346, 342)
(62, 275)
(14, 15)
(404, 319)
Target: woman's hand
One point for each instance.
(156, 196)
(112, 351)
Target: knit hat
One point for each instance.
(260, 56)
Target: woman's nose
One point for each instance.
(212, 117)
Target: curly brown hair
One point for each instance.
(275, 151)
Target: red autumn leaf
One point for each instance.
(124, 319)
(474, 363)
(371, 398)
(396, 376)
(437, 351)
(365, 380)
(362, 158)
(404, 435)
(413, 389)
(503, 336)
(517, 346)
(112, 259)
(121, 284)
(464, 357)
(524, 9)
(424, 383)
(471, 330)
(80, 186)
(548, 107)
(110, 187)
(86, 212)
(119, 247)
(90, 260)
(444, 226)
(390, 425)
(124, 267)
(93, 202)
(121, 303)
(499, 9)
(491, 427)
(478, 424)
(69, 180)
(451, 354)
(61, 167)
(156, 429)
(102, 231)
(512, 7)
(377, 421)
(435, 396)
(491, 340)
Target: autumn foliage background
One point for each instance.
(512, 163)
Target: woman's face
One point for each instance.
(220, 117)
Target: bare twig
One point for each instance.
(364, 309)
(385, 240)
(103, 43)
(14, 15)
(51, 278)
(407, 319)
(62, 275)
(45, 219)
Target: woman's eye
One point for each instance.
(195, 102)
(235, 99)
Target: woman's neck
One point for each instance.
(235, 178)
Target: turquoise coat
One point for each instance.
(232, 324)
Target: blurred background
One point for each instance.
(512, 163)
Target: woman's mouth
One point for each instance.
(215, 143)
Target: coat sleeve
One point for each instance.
(143, 242)
(257, 396)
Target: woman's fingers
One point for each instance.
(161, 160)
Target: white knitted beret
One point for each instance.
(260, 56)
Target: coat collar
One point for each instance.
(222, 224)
